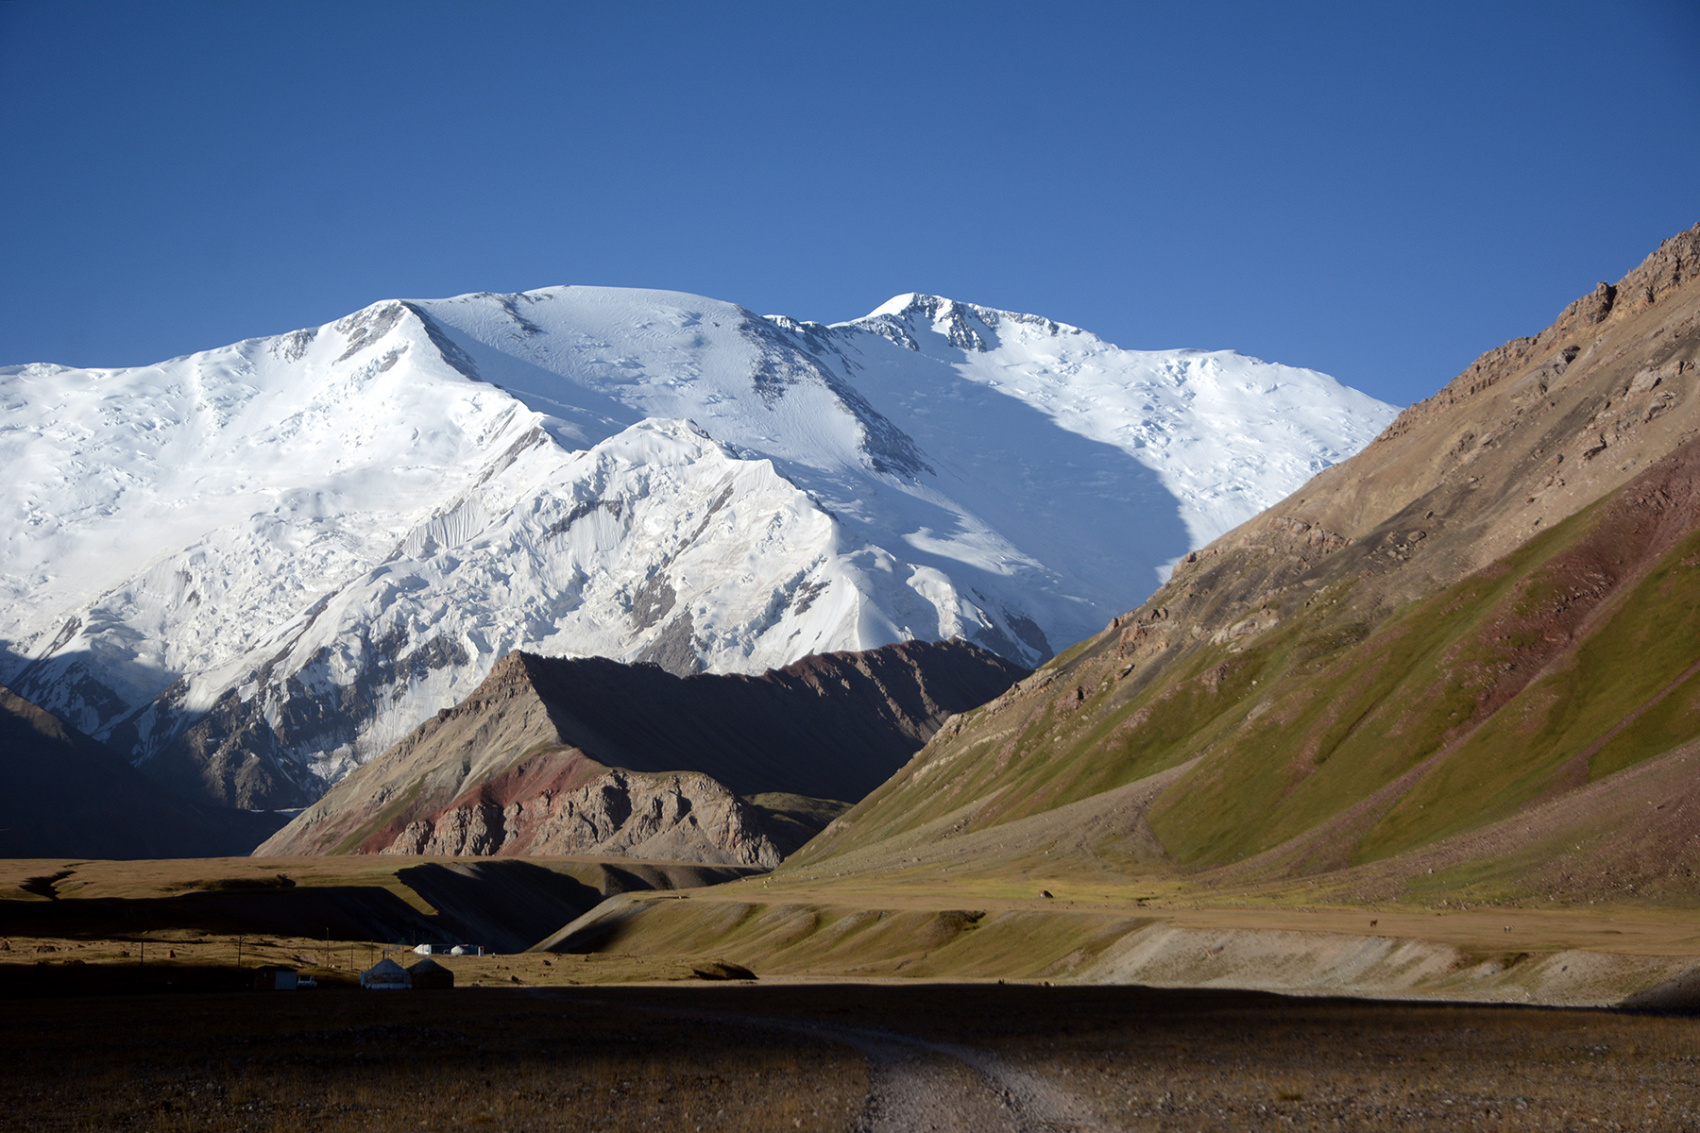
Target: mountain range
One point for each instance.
(252, 569)
(1427, 725)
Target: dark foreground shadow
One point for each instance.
(835, 1057)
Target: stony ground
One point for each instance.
(874, 1056)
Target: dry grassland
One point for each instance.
(165, 961)
(1644, 928)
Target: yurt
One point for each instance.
(386, 975)
(430, 975)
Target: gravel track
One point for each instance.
(921, 1085)
(917, 1085)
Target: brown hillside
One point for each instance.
(1493, 608)
(566, 756)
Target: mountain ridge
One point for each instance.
(555, 755)
(256, 567)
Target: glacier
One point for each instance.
(256, 567)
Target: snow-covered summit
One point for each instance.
(257, 566)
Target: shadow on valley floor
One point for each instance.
(835, 1057)
(504, 906)
(340, 912)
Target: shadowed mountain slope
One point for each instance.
(578, 756)
(63, 794)
(1472, 626)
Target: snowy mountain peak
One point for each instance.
(911, 319)
(256, 566)
(898, 305)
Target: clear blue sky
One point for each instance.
(1377, 190)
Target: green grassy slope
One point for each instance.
(1572, 658)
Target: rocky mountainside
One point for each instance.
(253, 568)
(1462, 662)
(591, 756)
(63, 794)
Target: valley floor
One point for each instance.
(960, 1003)
(834, 1056)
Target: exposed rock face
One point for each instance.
(1490, 608)
(63, 794)
(681, 817)
(554, 756)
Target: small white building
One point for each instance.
(386, 975)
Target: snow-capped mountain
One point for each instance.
(258, 566)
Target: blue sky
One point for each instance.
(1379, 191)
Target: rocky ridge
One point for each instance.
(588, 755)
(683, 817)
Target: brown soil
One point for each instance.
(836, 1057)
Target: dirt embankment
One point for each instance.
(1489, 955)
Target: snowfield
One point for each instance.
(257, 567)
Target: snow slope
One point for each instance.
(258, 566)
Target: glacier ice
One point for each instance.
(258, 566)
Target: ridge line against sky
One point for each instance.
(1379, 194)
